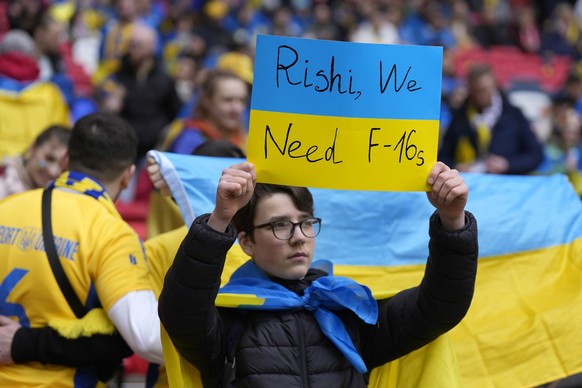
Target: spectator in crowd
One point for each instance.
(487, 133)
(28, 104)
(489, 29)
(163, 214)
(276, 227)
(454, 90)
(48, 35)
(247, 21)
(56, 62)
(44, 344)
(238, 60)
(526, 32)
(376, 26)
(181, 41)
(572, 91)
(461, 25)
(563, 151)
(104, 264)
(24, 14)
(561, 35)
(142, 93)
(210, 28)
(284, 24)
(115, 39)
(428, 26)
(187, 74)
(19, 345)
(151, 12)
(219, 113)
(323, 26)
(42, 163)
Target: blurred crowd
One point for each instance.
(181, 73)
(172, 66)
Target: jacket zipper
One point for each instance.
(302, 351)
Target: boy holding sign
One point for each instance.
(294, 323)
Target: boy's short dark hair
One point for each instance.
(244, 219)
(102, 145)
(58, 132)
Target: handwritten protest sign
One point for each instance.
(342, 115)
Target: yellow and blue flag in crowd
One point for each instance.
(523, 326)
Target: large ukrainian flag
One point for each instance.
(523, 328)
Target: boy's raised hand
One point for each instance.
(448, 195)
(235, 189)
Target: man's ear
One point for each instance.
(126, 176)
(246, 243)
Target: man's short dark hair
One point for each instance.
(245, 217)
(102, 145)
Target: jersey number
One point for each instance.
(13, 309)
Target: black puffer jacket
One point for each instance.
(288, 349)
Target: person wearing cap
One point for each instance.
(239, 63)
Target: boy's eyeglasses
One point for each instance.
(284, 229)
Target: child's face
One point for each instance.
(286, 259)
(46, 162)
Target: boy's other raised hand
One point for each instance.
(449, 194)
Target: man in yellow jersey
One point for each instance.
(101, 256)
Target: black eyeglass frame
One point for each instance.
(315, 220)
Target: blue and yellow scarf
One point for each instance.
(85, 184)
(322, 297)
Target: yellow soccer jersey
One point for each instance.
(101, 255)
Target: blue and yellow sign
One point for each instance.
(341, 115)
